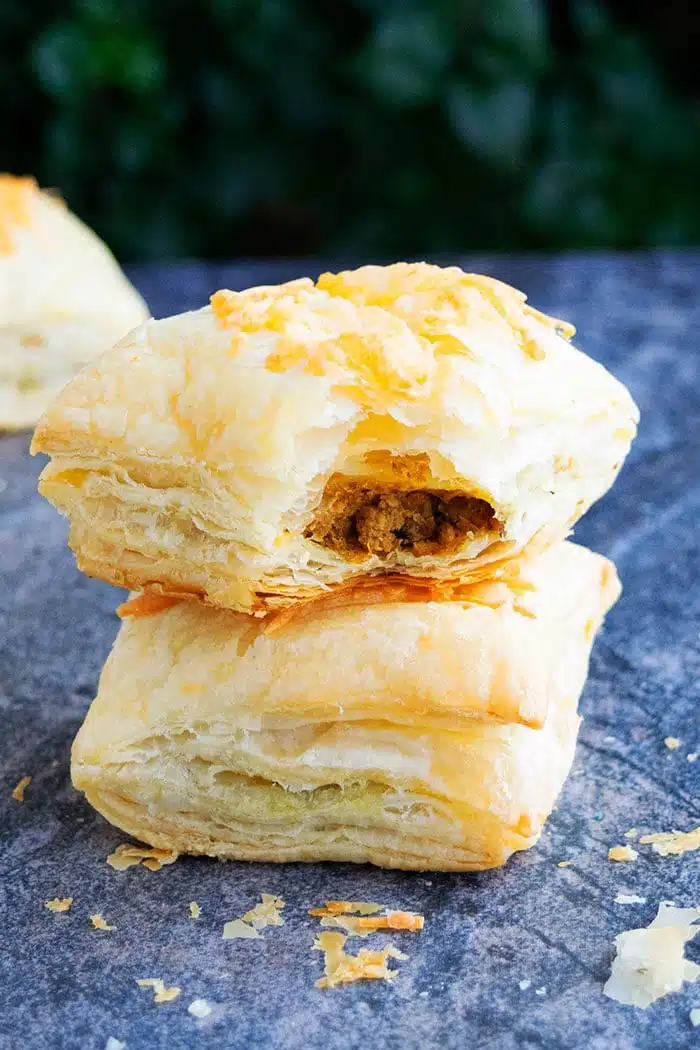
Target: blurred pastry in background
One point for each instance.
(63, 299)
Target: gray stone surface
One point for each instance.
(64, 985)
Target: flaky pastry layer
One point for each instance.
(425, 735)
(286, 441)
(63, 300)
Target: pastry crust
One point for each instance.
(63, 299)
(400, 734)
(286, 441)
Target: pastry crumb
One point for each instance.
(541, 991)
(672, 843)
(622, 853)
(127, 856)
(524, 985)
(195, 910)
(692, 757)
(632, 834)
(19, 789)
(629, 898)
(650, 962)
(694, 1016)
(565, 863)
(58, 904)
(359, 919)
(672, 742)
(341, 968)
(266, 913)
(100, 923)
(114, 1044)
(199, 1008)
(161, 994)
(609, 739)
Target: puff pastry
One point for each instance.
(426, 735)
(287, 440)
(63, 299)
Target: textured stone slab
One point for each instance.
(65, 985)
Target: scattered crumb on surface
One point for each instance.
(127, 855)
(199, 1008)
(672, 843)
(346, 908)
(565, 863)
(650, 961)
(524, 985)
(541, 991)
(19, 789)
(266, 913)
(629, 898)
(694, 1016)
(622, 853)
(692, 757)
(195, 910)
(609, 739)
(339, 915)
(100, 923)
(237, 929)
(672, 742)
(161, 994)
(632, 834)
(341, 968)
(114, 1044)
(59, 904)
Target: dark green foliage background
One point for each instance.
(357, 127)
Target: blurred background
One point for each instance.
(375, 128)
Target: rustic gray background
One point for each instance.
(63, 985)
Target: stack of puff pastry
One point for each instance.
(358, 631)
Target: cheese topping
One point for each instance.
(380, 330)
(15, 208)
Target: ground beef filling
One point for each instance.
(360, 520)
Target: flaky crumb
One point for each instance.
(266, 913)
(622, 853)
(346, 908)
(199, 1008)
(114, 1044)
(161, 994)
(59, 904)
(632, 834)
(127, 856)
(672, 742)
(100, 923)
(629, 898)
(564, 863)
(692, 757)
(237, 929)
(524, 985)
(672, 843)
(341, 968)
(541, 991)
(19, 789)
(650, 961)
(195, 910)
(694, 1016)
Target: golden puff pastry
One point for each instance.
(63, 299)
(287, 440)
(398, 734)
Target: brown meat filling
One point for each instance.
(358, 519)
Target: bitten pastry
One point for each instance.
(400, 734)
(63, 299)
(288, 440)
